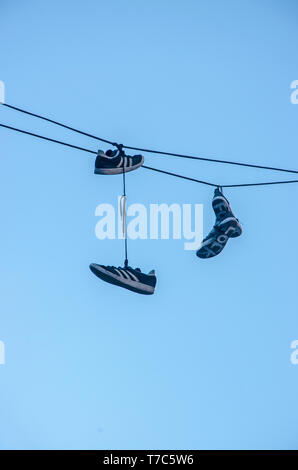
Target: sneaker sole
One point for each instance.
(230, 227)
(117, 171)
(212, 247)
(111, 278)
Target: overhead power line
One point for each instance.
(212, 160)
(47, 138)
(144, 166)
(57, 123)
(218, 185)
(179, 176)
(159, 152)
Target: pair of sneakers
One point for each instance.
(114, 162)
(226, 226)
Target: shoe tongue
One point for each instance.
(132, 269)
(111, 156)
(111, 153)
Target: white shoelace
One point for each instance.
(122, 204)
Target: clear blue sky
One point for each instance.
(205, 362)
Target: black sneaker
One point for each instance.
(129, 278)
(112, 162)
(226, 226)
(225, 218)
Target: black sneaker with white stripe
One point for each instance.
(225, 218)
(129, 278)
(226, 226)
(113, 162)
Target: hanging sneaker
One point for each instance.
(226, 226)
(225, 218)
(112, 162)
(129, 278)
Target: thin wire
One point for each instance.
(212, 160)
(147, 167)
(47, 138)
(57, 123)
(179, 176)
(257, 184)
(121, 153)
(227, 162)
(217, 185)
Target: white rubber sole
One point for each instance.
(211, 248)
(107, 276)
(232, 228)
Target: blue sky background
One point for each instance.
(205, 362)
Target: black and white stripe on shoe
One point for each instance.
(230, 226)
(105, 165)
(216, 240)
(213, 244)
(225, 218)
(129, 278)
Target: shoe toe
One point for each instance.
(94, 267)
(237, 232)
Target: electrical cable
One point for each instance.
(57, 123)
(213, 160)
(145, 166)
(47, 138)
(217, 185)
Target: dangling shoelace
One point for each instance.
(122, 205)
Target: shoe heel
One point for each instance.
(232, 229)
